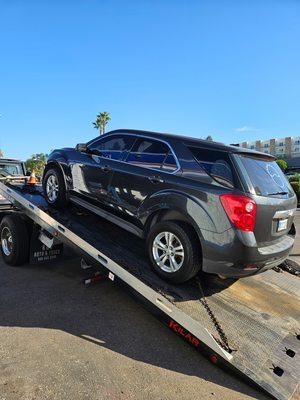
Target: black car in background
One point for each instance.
(199, 204)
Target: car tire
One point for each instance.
(175, 266)
(54, 188)
(14, 240)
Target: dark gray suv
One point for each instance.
(199, 204)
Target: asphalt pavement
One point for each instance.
(62, 340)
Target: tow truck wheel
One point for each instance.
(14, 240)
(174, 251)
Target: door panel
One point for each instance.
(93, 171)
(130, 186)
(91, 178)
(143, 174)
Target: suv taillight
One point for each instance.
(241, 211)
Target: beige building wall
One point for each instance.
(288, 146)
(272, 146)
(258, 145)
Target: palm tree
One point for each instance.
(101, 121)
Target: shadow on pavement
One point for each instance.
(53, 296)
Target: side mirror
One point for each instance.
(82, 147)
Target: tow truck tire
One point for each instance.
(14, 240)
(186, 266)
(59, 198)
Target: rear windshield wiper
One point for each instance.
(277, 193)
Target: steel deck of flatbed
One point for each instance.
(260, 314)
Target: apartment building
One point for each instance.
(287, 148)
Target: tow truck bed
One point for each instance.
(259, 315)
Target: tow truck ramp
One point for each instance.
(249, 327)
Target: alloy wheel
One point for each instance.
(52, 188)
(168, 252)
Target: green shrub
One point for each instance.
(294, 178)
(282, 164)
(296, 187)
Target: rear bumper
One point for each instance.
(237, 259)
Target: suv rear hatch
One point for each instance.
(275, 199)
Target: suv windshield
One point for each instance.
(265, 176)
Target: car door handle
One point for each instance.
(155, 179)
(105, 168)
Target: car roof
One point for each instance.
(191, 141)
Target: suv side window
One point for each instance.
(151, 154)
(112, 147)
(169, 164)
(217, 164)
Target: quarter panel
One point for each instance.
(201, 206)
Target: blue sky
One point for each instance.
(226, 68)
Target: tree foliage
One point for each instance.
(209, 137)
(282, 164)
(36, 163)
(101, 121)
(294, 178)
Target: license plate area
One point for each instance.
(282, 225)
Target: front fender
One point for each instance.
(58, 160)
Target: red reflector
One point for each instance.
(250, 267)
(241, 211)
(214, 359)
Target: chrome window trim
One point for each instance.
(128, 151)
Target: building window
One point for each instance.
(297, 142)
(266, 145)
(252, 147)
(280, 144)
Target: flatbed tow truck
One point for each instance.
(249, 327)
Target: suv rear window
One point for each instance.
(216, 164)
(265, 175)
